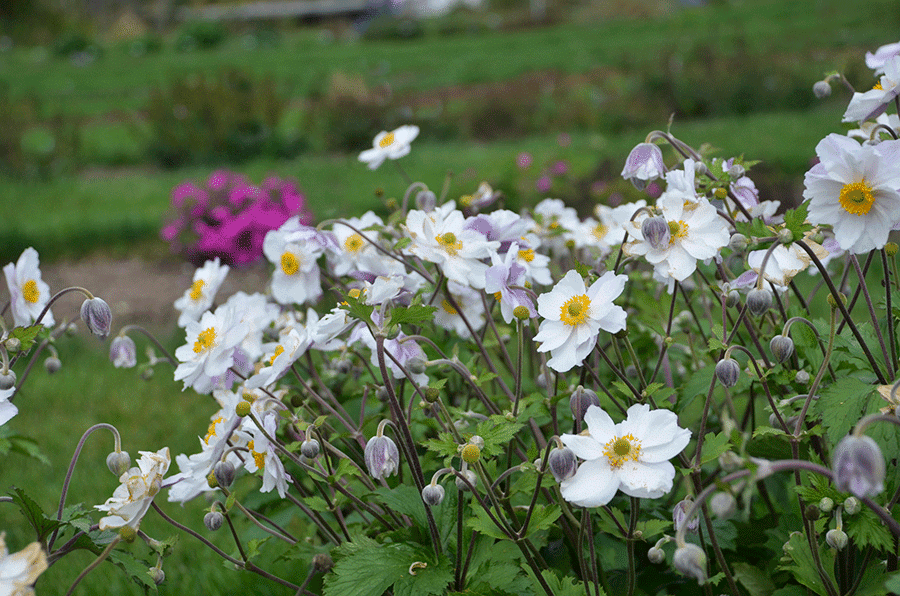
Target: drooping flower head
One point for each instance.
(872, 103)
(132, 498)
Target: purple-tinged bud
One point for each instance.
(581, 400)
(123, 352)
(433, 494)
(858, 466)
(382, 457)
(309, 449)
(782, 347)
(759, 301)
(644, 163)
(7, 380)
(690, 560)
(836, 539)
(118, 462)
(656, 232)
(821, 89)
(224, 473)
(723, 505)
(52, 364)
(732, 299)
(656, 555)
(728, 371)
(679, 516)
(426, 201)
(562, 463)
(97, 316)
(213, 520)
(736, 171)
(470, 476)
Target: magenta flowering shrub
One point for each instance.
(228, 216)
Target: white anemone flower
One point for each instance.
(877, 60)
(389, 145)
(264, 456)
(294, 250)
(785, 262)
(631, 456)
(132, 498)
(28, 293)
(865, 130)
(7, 408)
(451, 319)
(574, 315)
(289, 348)
(19, 571)
(199, 297)
(696, 233)
(210, 347)
(854, 188)
(872, 103)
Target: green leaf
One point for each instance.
(425, 581)
(756, 581)
(26, 335)
(316, 503)
(413, 314)
(566, 586)
(369, 568)
(841, 405)
(497, 433)
(866, 529)
(542, 518)
(795, 221)
(404, 499)
(253, 546)
(483, 524)
(714, 445)
(134, 568)
(801, 563)
(403, 243)
(357, 309)
(25, 446)
(42, 524)
(445, 445)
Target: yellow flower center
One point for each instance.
(211, 431)
(386, 141)
(621, 449)
(258, 458)
(449, 242)
(278, 351)
(466, 200)
(677, 230)
(354, 243)
(857, 198)
(878, 86)
(575, 310)
(206, 340)
(355, 293)
(527, 255)
(600, 231)
(448, 308)
(498, 296)
(197, 289)
(30, 291)
(289, 263)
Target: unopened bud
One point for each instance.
(821, 89)
(581, 400)
(97, 316)
(478, 441)
(118, 462)
(470, 476)
(562, 463)
(728, 371)
(52, 364)
(416, 366)
(8, 380)
(737, 243)
(382, 394)
(858, 466)
(382, 456)
(433, 494)
(123, 352)
(691, 561)
(322, 563)
(812, 512)
(782, 347)
(851, 506)
(836, 539)
(736, 171)
(733, 299)
(802, 377)
(832, 302)
(213, 520)
(224, 473)
(723, 505)
(656, 232)
(309, 449)
(826, 505)
(343, 366)
(679, 516)
(157, 575)
(13, 344)
(644, 163)
(521, 312)
(759, 301)
(785, 236)
(890, 248)
(470, 453)
(426, 201)
(432, 394)
(656, 555)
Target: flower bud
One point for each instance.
(644, 163)
(343, 365)
(433, 494)
(812, 512)
(118, 462)
(656, 232)
(470, 476)
(826, 505)
(851, 506)
(432, 394)
(890, 248)
(13, 344)
(52, 364)
(723, 505)
(309, 449)
(858, 466)
(785, 236)
(691, 561)
(801, 377)
(728, 371)
(382, 394)
(733, 299)
(759, 301)
(736, 171)
(656, 555)
(382, 456)
(224, 473)
(470, 453)
(581, 400)
(8, 380)
(213, 520)
(322, 563)
(477, 440)
(123, 352)
(821, 89)
(562, 463)
(737, 243)
(782, 347)
(157, 575)
(679, 516)
(97, 316)
(426, 201)
(416, 366)
(836, 539)
(832, 302)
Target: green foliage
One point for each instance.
(756, 581)
(799, 561)
(367, 568)
(841, 405)
(497, 432)
(795, 221)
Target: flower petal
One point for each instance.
(646, 480)
(593, 485)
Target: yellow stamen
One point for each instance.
(448, 308)
(386, 141)
(211, 431)
(258, 458)
(621, 449)
(449, 242)
(279, 350)
(498, 296)
(30, 291)
(527, 255)
(289, 263)
(857, 198)
(206, 340)
(354, 243)
(677, 230)
(575, 310)
(600, 231)
(197, 289)
(878, 86)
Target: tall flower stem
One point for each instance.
(891, 327)
(109, 548)
(865, 292)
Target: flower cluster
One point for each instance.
(228, 216)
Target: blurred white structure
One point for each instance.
(432, 8)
